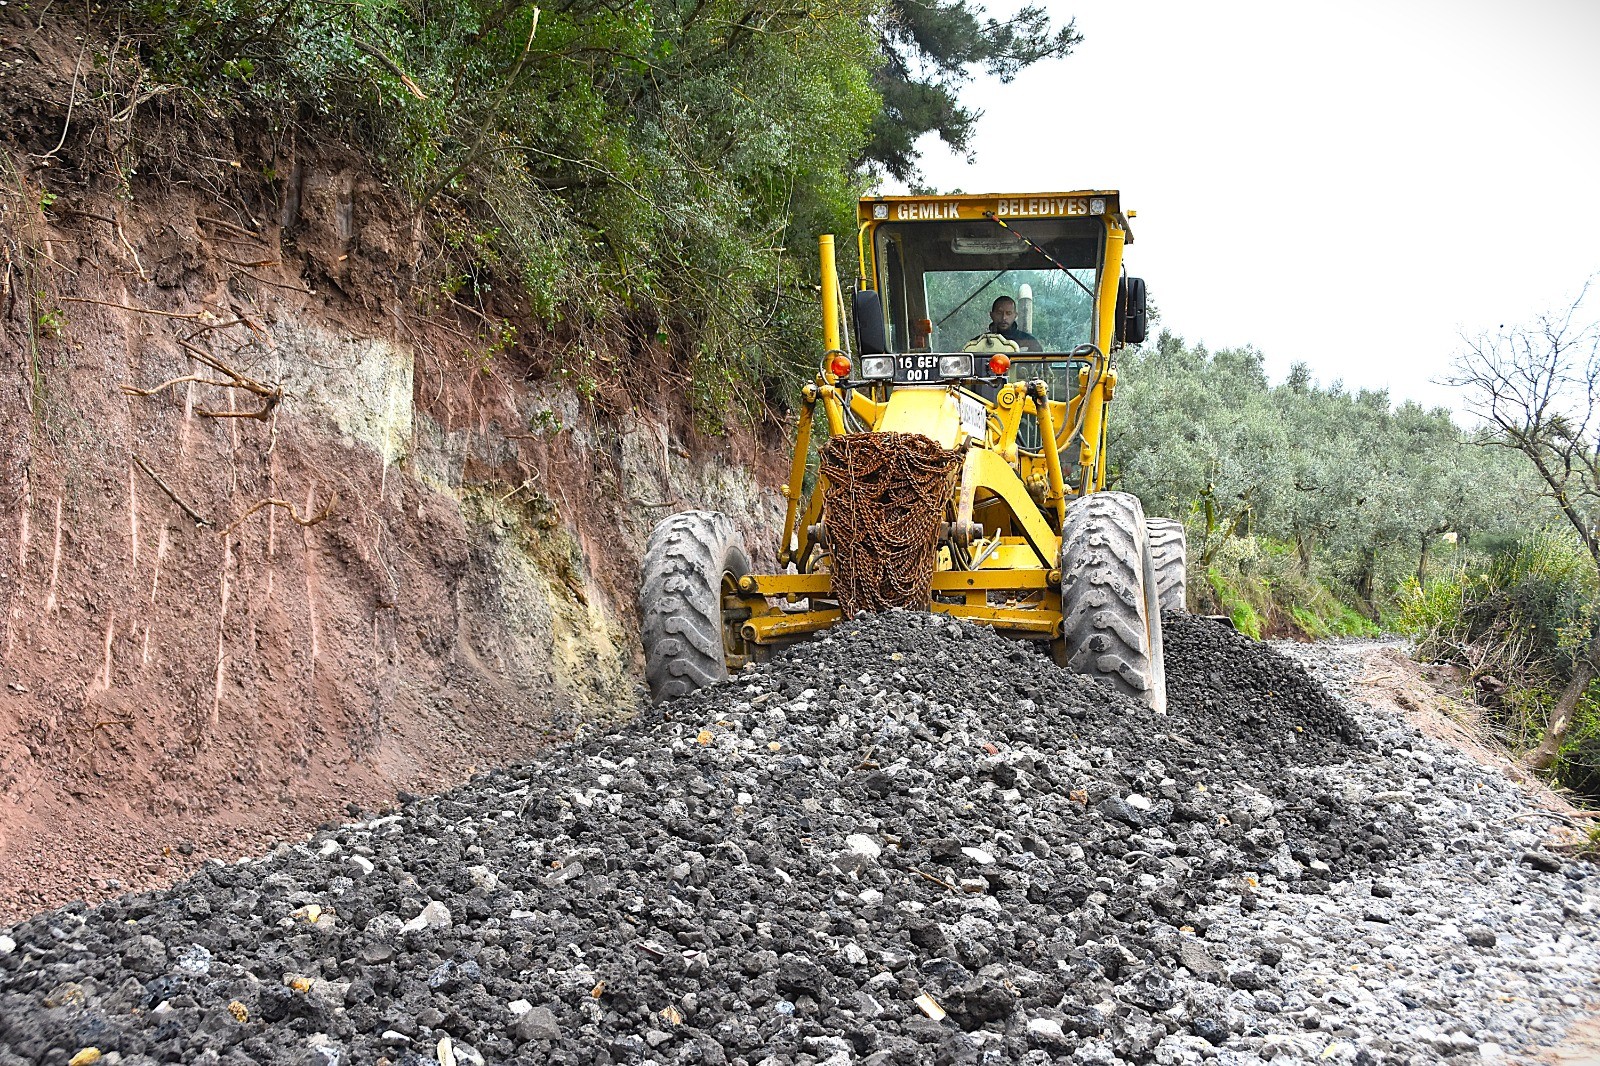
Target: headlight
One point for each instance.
(877, 366)
(955, 366)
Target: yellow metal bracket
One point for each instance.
(797, 474)
(1057, 494)
(987, 471)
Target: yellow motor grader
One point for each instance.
(964, 465)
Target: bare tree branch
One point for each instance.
(1537, 387)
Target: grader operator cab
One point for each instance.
(964, 466)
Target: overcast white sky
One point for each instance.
(1347, 184)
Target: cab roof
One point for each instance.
(1017, 206)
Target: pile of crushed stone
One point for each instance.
(908, 841)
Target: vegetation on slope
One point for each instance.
(663, 165)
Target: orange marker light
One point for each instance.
(839, 366)
(999, 364)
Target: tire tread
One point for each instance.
(1103, 601)
(680, 601)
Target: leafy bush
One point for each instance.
(1235, 602)
(666, 165)
(1516, 622)
(1261, 584)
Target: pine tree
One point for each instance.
(929, 50)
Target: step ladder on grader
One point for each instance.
(964, 466)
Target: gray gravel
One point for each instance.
(910, 841)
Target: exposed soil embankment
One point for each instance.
(283, 528)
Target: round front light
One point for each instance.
(999, 363)
(839, 366)
(955, 366)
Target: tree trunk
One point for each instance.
(1422, 562)
(1555, 734)
(1364, 581)
(1302, 547)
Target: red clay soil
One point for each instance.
(186, 670)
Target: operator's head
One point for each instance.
(1003, 312)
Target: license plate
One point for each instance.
(915, 368)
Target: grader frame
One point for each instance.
(1032, 488)
(1029, 543)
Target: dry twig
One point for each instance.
(391, 66)
(228, 225)
(194, 316)
(199, 519)
(936, 880)
(270, 394)
(310, 520)
(278, 284)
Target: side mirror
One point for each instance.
(1132, 322)
(866, 308)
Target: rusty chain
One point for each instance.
(885, 501)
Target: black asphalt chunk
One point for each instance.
(908, 841)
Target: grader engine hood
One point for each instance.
(947, 417)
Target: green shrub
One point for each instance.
(666, 165)
(1235, 602)
(1260, 583)
(1519, 617)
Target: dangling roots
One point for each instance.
(885, 500)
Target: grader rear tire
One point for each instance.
(692, 561)
(1169, 553)
(1111, 618)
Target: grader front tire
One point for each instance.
(1111, 618)
(1169, 554)
(693, 561)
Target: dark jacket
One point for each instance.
(1016, 333)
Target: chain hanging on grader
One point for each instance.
(964, 470)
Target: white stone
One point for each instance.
(362, 863)
(329, 849)
(979, 856)
(519, 1007)
(1045, 1027)
(7, 945)
(434, 916)
(862, 844)
(1138, 802)
(870, 896)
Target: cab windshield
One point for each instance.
(940, 280)
(1051, 308)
